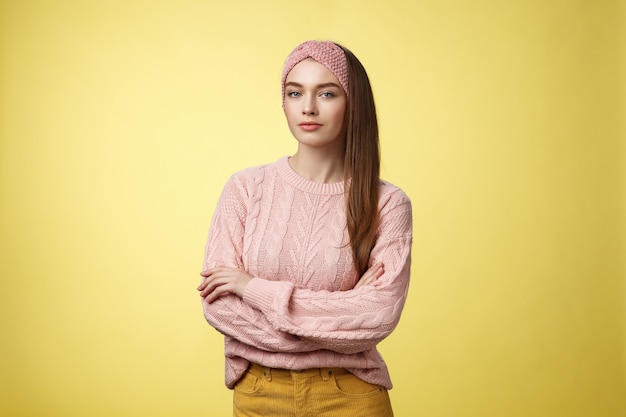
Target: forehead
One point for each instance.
(311, 71)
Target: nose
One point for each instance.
(310, 107)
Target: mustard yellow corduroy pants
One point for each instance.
(322, 392)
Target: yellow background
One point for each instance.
(120, 121)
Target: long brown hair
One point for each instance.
(362, 163)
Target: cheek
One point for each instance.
(289, 115)
(340, 115)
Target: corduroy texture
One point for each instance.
(319, 392)
(324, 52)
(301, 310)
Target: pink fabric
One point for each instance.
(301, 310)
(326, 53)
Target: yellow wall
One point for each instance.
(503, 120)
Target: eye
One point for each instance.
(327, 94)
(293, 94)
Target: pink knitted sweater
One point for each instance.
(301, 310)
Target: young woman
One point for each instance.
(308, 259)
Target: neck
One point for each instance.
(318, 166)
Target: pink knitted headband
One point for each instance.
(326, 53)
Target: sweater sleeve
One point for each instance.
(229, 314)
(347, 321)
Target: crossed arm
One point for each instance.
(217, 282)
(276, 316)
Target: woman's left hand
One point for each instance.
(221, 281)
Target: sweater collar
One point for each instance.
(292, 177)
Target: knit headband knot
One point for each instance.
(326, 53)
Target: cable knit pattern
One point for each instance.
(301, 310)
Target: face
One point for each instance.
(315, 105)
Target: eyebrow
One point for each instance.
(325, 85)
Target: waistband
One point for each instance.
(278, 373)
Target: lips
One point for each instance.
(309, 126)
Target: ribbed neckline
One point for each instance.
(293, 178)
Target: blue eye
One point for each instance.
(293, 94)
(327, 94)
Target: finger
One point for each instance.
(203, 284)
(217, 293)
(209, 287)
(362, 282)
(213, 284)
(209, 276)
(205, 281)
(372, 274)
(212, 271)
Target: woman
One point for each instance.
(308, 258)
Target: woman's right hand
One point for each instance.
(371, 275)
